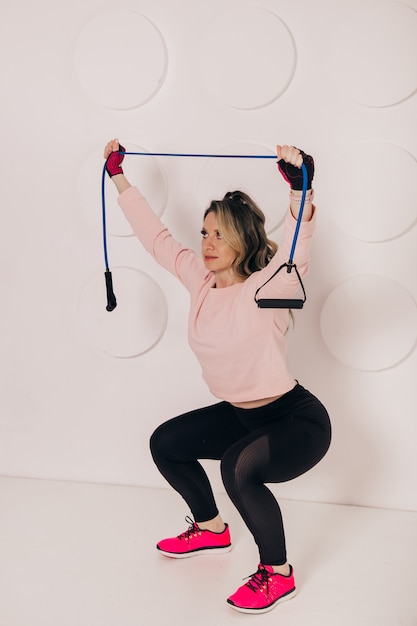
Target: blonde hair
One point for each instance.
(242, 226)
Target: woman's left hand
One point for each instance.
(290, 160)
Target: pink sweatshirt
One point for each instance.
(241, 348)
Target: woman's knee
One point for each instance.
(245, 464)
(170, 441)
(159, 442)
(235, 472)
(227, 471)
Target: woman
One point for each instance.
(266, 428)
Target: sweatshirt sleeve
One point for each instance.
(182, 262)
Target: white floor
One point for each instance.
(83, 555)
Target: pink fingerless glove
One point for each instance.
(114, 162)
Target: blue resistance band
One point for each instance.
(262, 303)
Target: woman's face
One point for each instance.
(217, 255)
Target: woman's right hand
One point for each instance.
(113, 157)
(113, 164)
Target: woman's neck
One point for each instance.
(226, 279)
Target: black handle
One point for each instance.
(280, 304)
(111, 298)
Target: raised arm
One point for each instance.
(290, 160)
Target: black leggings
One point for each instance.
(269, 444)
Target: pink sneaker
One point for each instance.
(263, 591)
(195, 541)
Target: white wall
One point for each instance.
(81, 388)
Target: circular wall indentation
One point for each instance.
(247, 58)
(138, 322)
(144, 172)
(369, 323)
(257, 177)
(375, 52)
(372, 195)
(120, 59)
